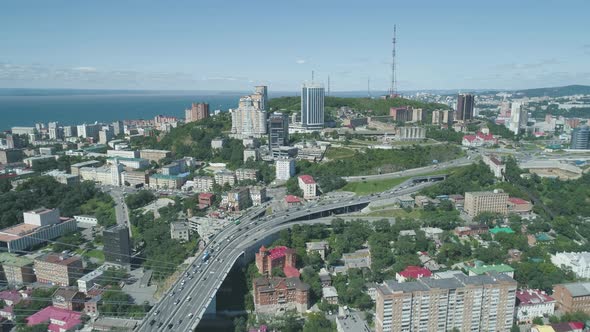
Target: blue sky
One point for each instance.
(232, 45)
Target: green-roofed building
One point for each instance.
(483, 269)
(544, 237)
(16, 270)
(497, 230)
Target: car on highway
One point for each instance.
(190, 314)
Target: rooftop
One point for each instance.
(497, 230)
(532, 297)
(307, 179)
(515, 200)
(500, 268)
(52, 314)
(58, 259)
(415, 272)
(265, 284)
(578, 288)
(14, 260)
(456, 281)
(329, 291)
(292, 199)
(16, 232)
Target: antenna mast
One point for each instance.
(328, 85)
(393, 88)
(369, 87)
(312, 77)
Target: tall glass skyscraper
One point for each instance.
(312, 106)
(580, 138)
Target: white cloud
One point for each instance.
(85, 69)
(300, 61)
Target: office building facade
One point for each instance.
(117, 245)
(465, 104)
(278, 130)
(486, 201)
(312, 106)
(580, 139)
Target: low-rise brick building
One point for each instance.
(58, 269)
(16, 270)
(572, 297)
(278, 257)
(274, 294)
(68, 298)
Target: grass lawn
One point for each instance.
(397, 213)
(339, 153)
(369, 187)
(375, 186)
(98, 254)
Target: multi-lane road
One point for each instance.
(186, 302)
(471, 158)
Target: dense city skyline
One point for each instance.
(458, 45)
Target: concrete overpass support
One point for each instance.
(212, 308)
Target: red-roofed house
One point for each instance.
(281, 257)
(308, 185)
(10, 297)
(532, 303)
(518, 205)
(479, 139)
(60, 320)
(567, 327)
(206, 199)
(292, 200)
(412, 272)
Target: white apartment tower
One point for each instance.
(248, 120)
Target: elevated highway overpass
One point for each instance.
(189, 299)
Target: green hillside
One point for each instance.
(379, 106)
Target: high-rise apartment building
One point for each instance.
(278, 130)
(118, 128)
(248, 120)
(197, 112)
(260, 97)
(486, 201)
(312, 106)
(117, 245)
(465, 104)
(401, 114)
(466, 303)
(518, 118)
(88, 130)
(442, 117)
(580, 138)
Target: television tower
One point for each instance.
(393, 88)
(328, 85)
(369, 87)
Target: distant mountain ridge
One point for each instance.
(558, 91)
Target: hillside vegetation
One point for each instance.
(378, 106)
